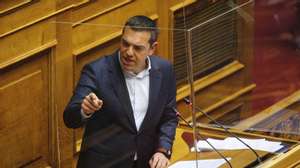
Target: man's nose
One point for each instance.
(130, 51)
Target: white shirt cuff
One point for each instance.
(84, 116)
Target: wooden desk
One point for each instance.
(239, 158)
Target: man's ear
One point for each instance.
(153, 48)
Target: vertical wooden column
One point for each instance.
(163, 24)
(63, 84)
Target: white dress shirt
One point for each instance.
(138, 89)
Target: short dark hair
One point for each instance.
(143, 23)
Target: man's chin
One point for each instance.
(127, 69)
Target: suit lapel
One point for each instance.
(120, 88)
(154, 90)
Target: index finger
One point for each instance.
(93, 96)
(95, 100)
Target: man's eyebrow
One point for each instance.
(133, 44)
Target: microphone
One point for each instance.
(188, 102)
(216, 150)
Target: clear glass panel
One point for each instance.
(244, 57)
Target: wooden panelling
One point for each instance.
(222, 101)
(62, 68)
(61, 4)
(28, 54)
(229, 114)
(180, 5)
(104, 49)
(227, 88)
(97, 43)
(8, 6)
(109, 23)
(23, 42)
(24, 112)
(37, 21)
(78, 3)
(209, 79)
(95, 9)
(214, 92)
(27, 14)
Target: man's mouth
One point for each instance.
(127, 61)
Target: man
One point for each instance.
(125, 101)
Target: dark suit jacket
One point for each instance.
(111, 138)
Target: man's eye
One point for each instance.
(138, 48)
(125, 44)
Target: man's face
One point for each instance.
(135, 48)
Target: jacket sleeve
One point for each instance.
(169, 120)
(86, 84)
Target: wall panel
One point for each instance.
(109, 23)
(7, 6)
(26, 40)
(24, 114)
(26, 15)
(93, 9)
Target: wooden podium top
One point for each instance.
(239, 158)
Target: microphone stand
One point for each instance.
(187, 101)
(216, 150)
